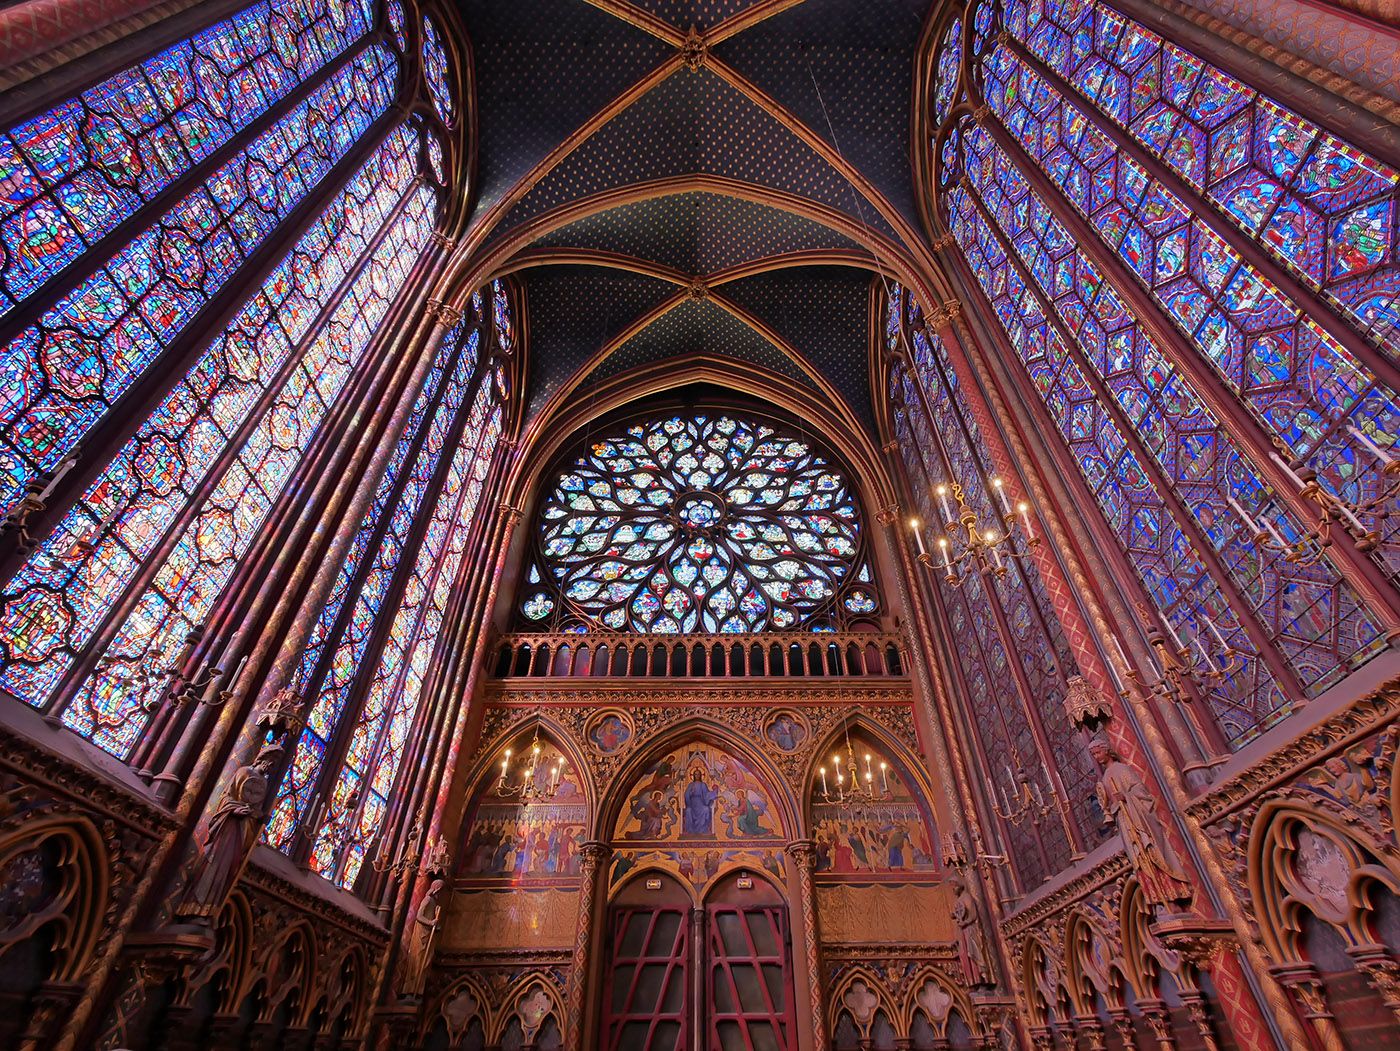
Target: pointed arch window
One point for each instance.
(1190, 275)
(367, 666)
(1014, 660)
(264, 210)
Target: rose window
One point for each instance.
(699, 524)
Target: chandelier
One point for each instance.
(530, 788)
(851, 786)
(966, 544)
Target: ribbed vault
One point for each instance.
(674, 179)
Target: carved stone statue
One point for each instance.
(426, 922)
(229, 837)
(973, 953)
(1126, 800)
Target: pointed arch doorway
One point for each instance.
(712, 975)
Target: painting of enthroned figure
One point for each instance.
(697, 793)
(697, 811)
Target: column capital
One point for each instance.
(803, 852)
(443, 313)
(595, 851)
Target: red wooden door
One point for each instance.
(748, 977)
(646, 1001)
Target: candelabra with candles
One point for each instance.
(850, 786)
(384, 859)
(1310, 547)
(1204, 665)
(34, 500)
(1026, 800)
(531, 788)
(966, 544)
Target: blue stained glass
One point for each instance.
(435, 70)
(332, 693)
(73, 173)
(89, 348)
(108, 707)
(949, 66)
(1301, 384)
(1321, 207)
(1090, 306)
(88, 560)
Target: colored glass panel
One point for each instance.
(1309, 615)
(1300, 384)
(75, 172)
(56, 601)
(700, 523)
(947, 71)
(435, 70)
(1323, 208)
(377, 736)
(63, 373)
(333, 684)
(108, 707)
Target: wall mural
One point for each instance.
(696, 812)
(512, 840)
(886, 838)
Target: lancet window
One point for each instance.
(1013, 659)
(1198, 284)
(369, 661)
(198, 256)
(705, 522)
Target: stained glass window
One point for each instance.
(67, 368)
(1173, 167)
(939, 442)
(358, 798)
(50, 609)
(949, 67)
(1322, 207)
(401, 495)
(1296, 378)
(72, 174)
(435, 70)
(703, 523)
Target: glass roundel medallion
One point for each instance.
(699, 523)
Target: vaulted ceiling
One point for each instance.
(669, 178)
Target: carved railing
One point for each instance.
(802, 655)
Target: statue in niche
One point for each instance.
(1126, 800)
(426, 922)
(227, 840)
(973, 953)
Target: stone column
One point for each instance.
(591, 898)
(1381, 971)
(1305, 985)
(804, 856)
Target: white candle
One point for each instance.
(885, 777)
(1201, 648)
(945, 503)
(943, 549)
(1346, 513)
(1113, 674)
(999, 488)
(1025, 510)
(867, 766)
(822, 771)
(242, 663)
(1375, 450)
(918, 535)
(1292, 475)
(1240, 511)
(1171, 631)
(64, 466)
(1273, 532)
(1216, 632)
(991, 539)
